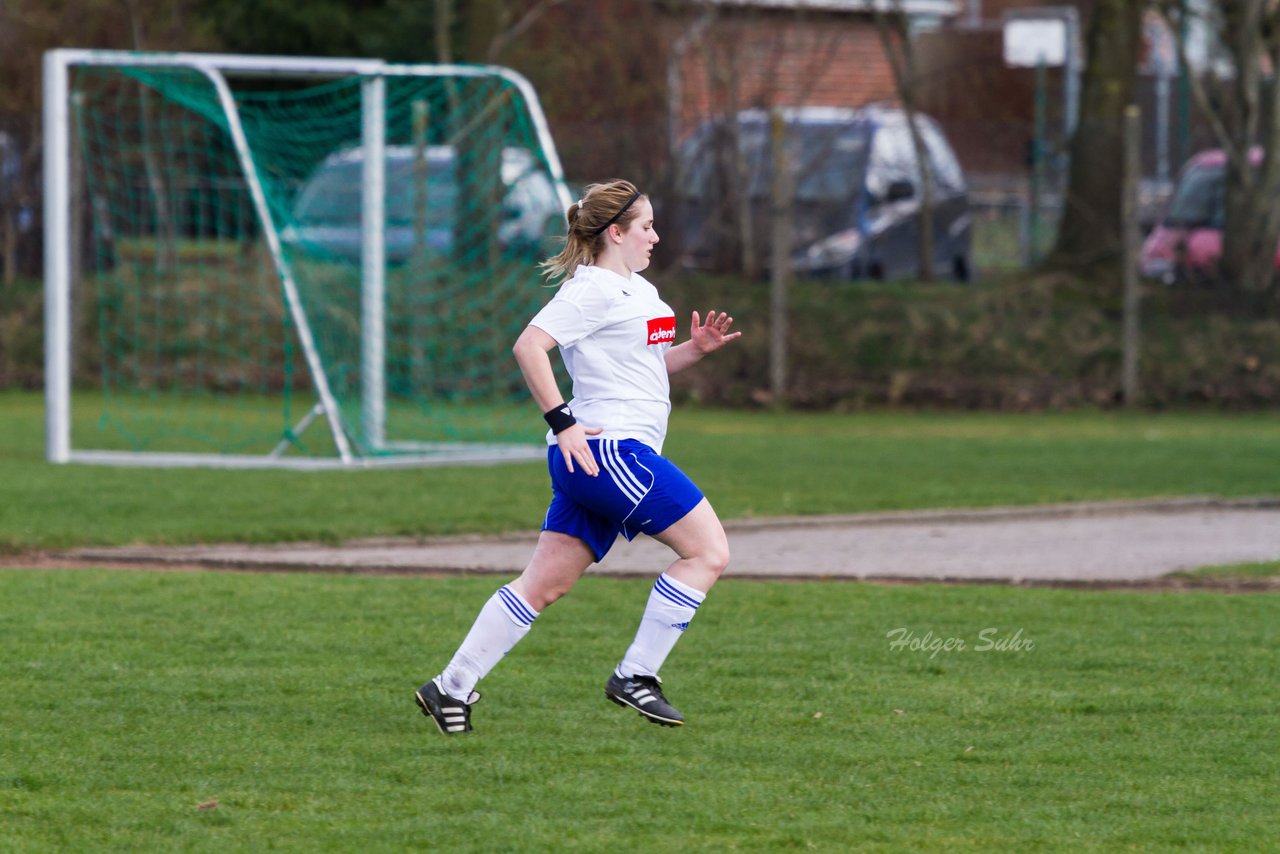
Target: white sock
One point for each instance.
(502, 622)
(672, 605)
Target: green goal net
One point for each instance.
(296, 262)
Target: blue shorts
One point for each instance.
(636, 492)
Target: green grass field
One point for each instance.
(748, 463)
(226, 712)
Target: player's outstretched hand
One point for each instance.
(573, 444)
(714, 333)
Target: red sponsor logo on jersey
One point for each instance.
(662, 330)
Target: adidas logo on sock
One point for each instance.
(680, 626)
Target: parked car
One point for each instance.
(327, 211)
(856, 192)
(1186, 242)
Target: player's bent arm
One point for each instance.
(532, 351)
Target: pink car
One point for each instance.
(1187, 240)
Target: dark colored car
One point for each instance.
(424, 211)
(856, 193)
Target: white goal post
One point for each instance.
(359, 434)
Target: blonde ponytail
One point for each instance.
(601, 205)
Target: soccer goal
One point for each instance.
(267, 261)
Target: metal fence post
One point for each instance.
(1131, 237)
(780, 258)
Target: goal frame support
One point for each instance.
(217, 68)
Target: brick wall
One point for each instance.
(761, 59)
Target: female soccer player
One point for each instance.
(617, 340)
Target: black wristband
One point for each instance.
(560, 418)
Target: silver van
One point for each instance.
(856, 195)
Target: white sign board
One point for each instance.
(1030, 41)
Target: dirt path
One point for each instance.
(1104, 544)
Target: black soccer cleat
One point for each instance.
(451, 716)
(644, 694)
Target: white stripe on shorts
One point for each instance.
(626, 481)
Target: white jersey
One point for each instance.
(613, 335)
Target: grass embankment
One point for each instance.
(1025, 342)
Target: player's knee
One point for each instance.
(547, 595)
(716, 559)
(539, 590)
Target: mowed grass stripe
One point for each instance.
(281, 704)
(748, 463)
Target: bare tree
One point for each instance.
(506, 28)
(1091, 232)
(895, 36)
(741, 73)
(1240, 98)
(599, 67)
(30, 27)
(166, 225)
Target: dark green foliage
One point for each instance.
(1011, 344)
(21, 334)
(395, 30)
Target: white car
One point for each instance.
(427, 208)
